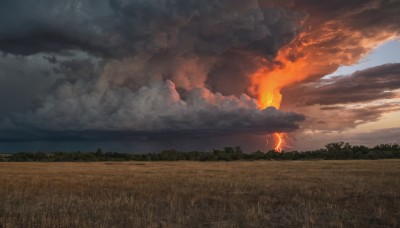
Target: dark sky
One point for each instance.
(140, 76)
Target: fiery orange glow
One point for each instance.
(304, 59)
(269, 82)
(288, 68)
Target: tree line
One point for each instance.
(332, 151)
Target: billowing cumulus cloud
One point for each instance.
(77, 95)
(153, 108)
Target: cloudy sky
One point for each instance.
(146, 75)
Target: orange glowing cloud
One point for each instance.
(312, 55)
(267, 83)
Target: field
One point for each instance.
(196, 194)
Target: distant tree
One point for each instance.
(338, 150)
(360, 152)
(99, 152)
(41, 156)
(387, 147)
(258, 155)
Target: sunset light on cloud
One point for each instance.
(140, 76)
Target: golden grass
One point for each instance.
(194, 194)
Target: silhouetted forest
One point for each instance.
(332, 151)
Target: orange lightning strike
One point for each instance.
(279, 142)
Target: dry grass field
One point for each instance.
(195, 194)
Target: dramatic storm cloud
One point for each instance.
(159, 69)
(138, 67)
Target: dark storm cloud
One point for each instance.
(26, 81)
(368, 85)
(113, 69)
(153, 109)
(187, 126)
(125, 28)
(29, 27)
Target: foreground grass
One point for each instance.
(191, 194)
